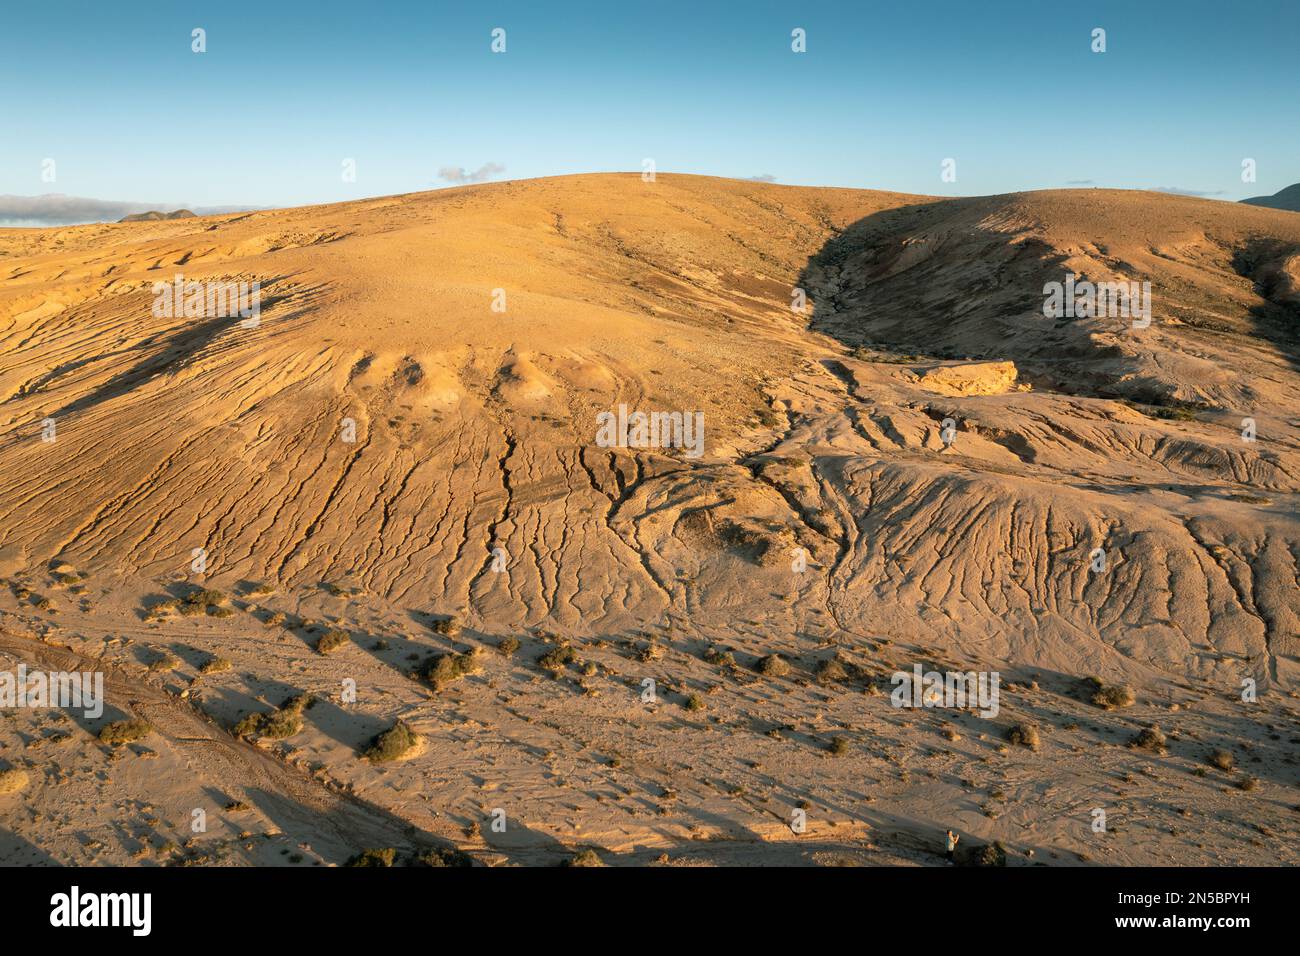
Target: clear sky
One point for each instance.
(286, 91)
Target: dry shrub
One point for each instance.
(1114, 696)
(393, 744)
(331, 641)
(1150, 738)
(1222, 759)
(124, 732)
(12, 781)
(1026, 735)
(445, 668)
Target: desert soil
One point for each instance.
(829, 520)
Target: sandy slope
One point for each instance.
(476, 429)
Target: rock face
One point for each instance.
(393, 419)
(979, 378)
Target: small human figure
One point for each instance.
(952, 845)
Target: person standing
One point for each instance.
(952, 845)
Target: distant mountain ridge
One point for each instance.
(1288, 198)
(154, 214)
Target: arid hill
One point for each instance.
(1288, 198)
(920, 465)
(154, 215)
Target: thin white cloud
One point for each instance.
(458, 176)
(1179, 191)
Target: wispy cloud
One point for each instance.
(1080, 182)
(458, 176)
(765, 178)
(56, 209)
(1179, 191)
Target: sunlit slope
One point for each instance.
(475, 427)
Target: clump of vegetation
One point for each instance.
(237, 806)
(275, 619)
(508, 646)
(1150, 738)
(836, 669)
(67, 578)
(445, 668)
(124, 732)
(1113, 696)
(287, 720)
(719, 657)
(217, 610)
(650, 653)
(557, 658)
(1025, 735)
(838, 746)
(215, 665)
(206, 597)
(1165, 408)
(247, 725)
(773, 665)
(165, 661)
(331, 641)
(447, 625)
(988, 854)
(260, 589)
(159, 610)
(1248, 784)
(1222, 759)
(283, 722)
(694, 702)
(586, 857)
(393, 744)
(13, 781)
(444, 857)
(384, 857)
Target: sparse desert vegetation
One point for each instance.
(1222, 759)
(332, 640)
(1024, 735)
(395, 743)
(120, 732)
(1150, 738)
(13, 780)
(773, 665)
(282, 722)
(215, 665)
(1113, 696)
(443, 669)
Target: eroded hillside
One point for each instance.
(920, 465)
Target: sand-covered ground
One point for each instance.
(467, 340)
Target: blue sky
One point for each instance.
(885, 92)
